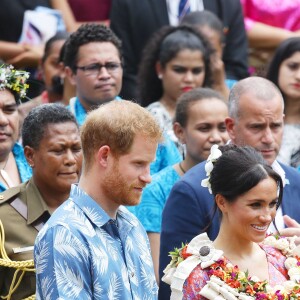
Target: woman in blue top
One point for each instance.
(198, 124)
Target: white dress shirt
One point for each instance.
(172, 5)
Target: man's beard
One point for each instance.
(117, 188)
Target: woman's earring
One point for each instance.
(160, 76)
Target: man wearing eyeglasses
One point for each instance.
(93, 60)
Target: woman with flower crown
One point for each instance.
(240, 263)
(14, 168)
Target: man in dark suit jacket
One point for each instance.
(134, 21)
(255, 119)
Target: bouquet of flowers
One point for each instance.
(227, 281)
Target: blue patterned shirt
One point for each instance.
(81, 253)
(24, 169)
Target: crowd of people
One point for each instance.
(150, 161)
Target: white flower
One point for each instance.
(205, 183)
(278, 287)
(255, 278)
(215, 153)
(208, 167)
(282, 244)
(290, 262)
(289, 285)
(270, 240)
(241, 275)
(294, 274)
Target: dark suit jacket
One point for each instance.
(134, 21)
(188, 211)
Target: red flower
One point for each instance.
(184, 252)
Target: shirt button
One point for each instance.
(132, 274)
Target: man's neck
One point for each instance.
(87, 185)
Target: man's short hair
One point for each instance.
(116, 124)
(39, 118)
(259, 87)
(88, 33)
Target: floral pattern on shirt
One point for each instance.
(81, 253)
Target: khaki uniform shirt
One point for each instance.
(20, 233)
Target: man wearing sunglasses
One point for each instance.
(93, 60)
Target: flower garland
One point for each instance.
(215, 153)
(14, 80)
(227, 281)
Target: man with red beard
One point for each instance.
(93, 247)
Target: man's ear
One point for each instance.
(102, 155)
(179, 132)
(230, 127)
(71, 75)
(29, 155)
(221, 203)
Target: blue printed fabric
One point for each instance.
(81, 253)
(78, 110)
(167, 154)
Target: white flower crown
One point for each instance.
(215, 153)
(14, 80)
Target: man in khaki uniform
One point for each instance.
(20, 233)
(52, 147)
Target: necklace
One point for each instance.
(181, 168)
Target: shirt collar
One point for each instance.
(278, 169)
(94, 211)
(35, 203)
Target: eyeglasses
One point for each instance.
(94, 69)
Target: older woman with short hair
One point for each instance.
(52, 147)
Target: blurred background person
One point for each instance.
(176, 60)
(93, 64)
(284, 71)
(14, 168)
(27, 54)
(57, 87)
(135, 21)
(52, 145)
(267, 25)
(199, 123)
(211, 26)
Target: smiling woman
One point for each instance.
(247, 193)
(52, 147)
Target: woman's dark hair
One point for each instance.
(37, 121)
(205, 18)
(59, 36)
(163, 46)
(285, 50)
(187, 99)
(237, 171)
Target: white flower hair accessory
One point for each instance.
(215, 153)
(14, 80)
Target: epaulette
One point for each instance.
(8, 194)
